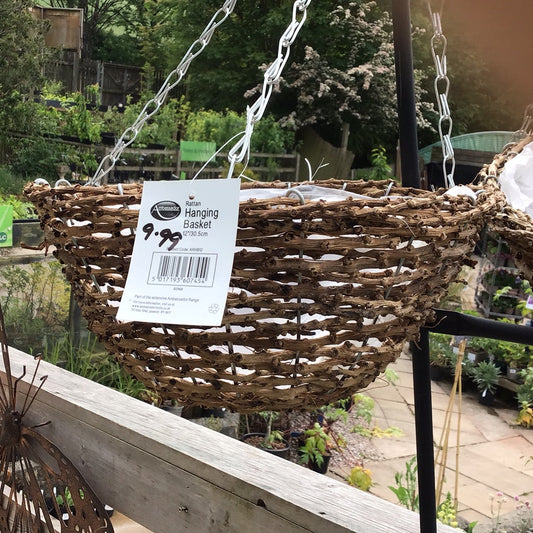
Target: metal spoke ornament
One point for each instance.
(42, 491)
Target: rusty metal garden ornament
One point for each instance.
(41, 490)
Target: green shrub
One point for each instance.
(10, 183)
(217, 127)
(37, 158)
(21, 209)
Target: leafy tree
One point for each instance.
(22, 46)
(230, 65)
(352, 80)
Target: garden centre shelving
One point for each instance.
(497, 270)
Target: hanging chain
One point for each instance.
(241, 149)
(173, 79)
(442, 86)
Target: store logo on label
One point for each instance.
(165, 210)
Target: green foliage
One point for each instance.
(360, 477)
(485, 376)
(37, 158)
(470, 527)
(317, 444)
(525, 414)
(21, 209)
(220, 127)
(166, 125)
(406, 486)
(363, 407)
(524, 392)
(440, 350)
(115, 48)
(80, 122)
(502, 299)
(23, 48)
(35, 302)
(334, 412)
(380, 168)
(271, 435)
(10, 184)
(90, 361)
(446, 512)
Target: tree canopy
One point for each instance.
(341, 67)
(22, 48)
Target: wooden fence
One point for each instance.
(116, 81)
(169, 474)
(148, 164)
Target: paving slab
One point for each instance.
(493, 474)
(516, 449)
(395, 412)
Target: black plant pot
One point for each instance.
(323, 468)
(195, 411)
(438, 373)
(108, 138)
(486, 397)
(282, 451)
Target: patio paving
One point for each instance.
(493, 453)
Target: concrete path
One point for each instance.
(493, 454)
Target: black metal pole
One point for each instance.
(405, 88)
(401, 16)
(455, 323)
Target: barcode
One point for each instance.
(179, 269)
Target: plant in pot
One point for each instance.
(271, 440)
(317, 446)
(516, 356)
(524, 395)
(441, 356)
(485, 376)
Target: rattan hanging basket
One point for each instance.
(322, 295)
(513, 225)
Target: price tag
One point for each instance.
(529, 302)
(183, 253)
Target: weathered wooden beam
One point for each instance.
(170, 474)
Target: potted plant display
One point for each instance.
(485, 376)
(271, 440)
(441, 356)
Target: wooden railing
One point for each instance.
(169, 474)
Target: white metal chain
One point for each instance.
(173, 79)
(442, 86)
(241, 149)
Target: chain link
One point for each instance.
(241, 149)
(152, 106)
(442, 86)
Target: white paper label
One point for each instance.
(183, 253)
(529, 303)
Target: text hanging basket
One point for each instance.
(322, 295)
(513, 225)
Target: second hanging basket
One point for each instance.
(513, 225)
(323, 294)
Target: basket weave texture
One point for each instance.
(513, 225)
(322, 296)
